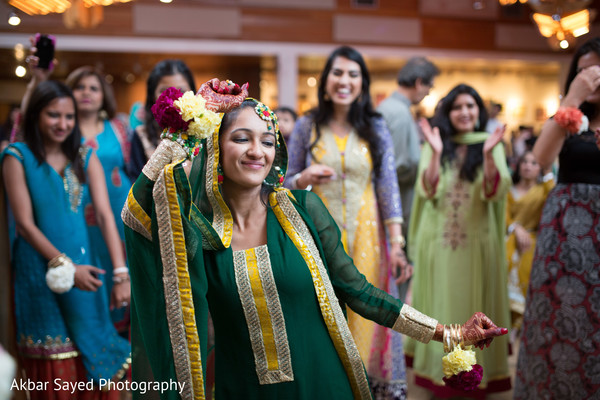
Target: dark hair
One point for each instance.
(42, 96)
(361, 111)
(417, 68)
(286, 110)
(592, 45)
(109, 103)
(163, 68)
(516, 176)
(441, 119)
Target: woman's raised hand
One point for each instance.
(222, 96)
(431, 135)
(585, 83)
(479, 331)
(38, 74)
(86, 277)
(493, 139)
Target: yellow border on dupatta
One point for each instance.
(222, 219)
(177, 285)
(134, 216)
(295, 227)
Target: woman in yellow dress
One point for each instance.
(344, 151)
(524, 205)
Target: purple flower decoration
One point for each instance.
(165, 112)
(466, 380)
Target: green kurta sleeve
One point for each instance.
(158, 353)
(350, 285)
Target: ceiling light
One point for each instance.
(20, 71)
(77, 13)
(13, 19)
(558, 20)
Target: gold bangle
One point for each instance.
(120, 279)
(59, 260)
(398, 239)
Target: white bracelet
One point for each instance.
(511, 228)
(120, 270)
(548, 176)
(294, 182)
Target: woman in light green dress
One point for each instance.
(457, 231)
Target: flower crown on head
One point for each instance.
(188, 118)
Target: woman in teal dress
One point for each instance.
(267, 262)
(67, 336)
(108, 137)
(457, 227)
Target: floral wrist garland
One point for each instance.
(185, 119)
(461, 369)
(60, 276)
(460, 366)
(572, 120)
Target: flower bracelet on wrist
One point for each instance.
(60, 276)
(572, 120)
(460, 367)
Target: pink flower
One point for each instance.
(466, 380)
(165, 112)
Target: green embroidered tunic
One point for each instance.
(280, 331)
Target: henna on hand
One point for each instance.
(223, 96)
(479, 331)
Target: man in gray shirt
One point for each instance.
(415, 80)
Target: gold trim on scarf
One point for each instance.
(222, 219)
(166, 152)
(134, 216)
(295, 227)
(264, 316)
(177, 286)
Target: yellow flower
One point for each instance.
(458, 360)
(204, 125)
(190, 105)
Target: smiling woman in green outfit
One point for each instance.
(221, 234)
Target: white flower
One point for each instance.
(190, 105)
(62, 278)
(458, 360)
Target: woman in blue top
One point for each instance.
(108, 137)
(66, 337)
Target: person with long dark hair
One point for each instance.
(165, 74)
(221, 233)
(64, 330)
(559, 355)
(344, 151)
(457, 227)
